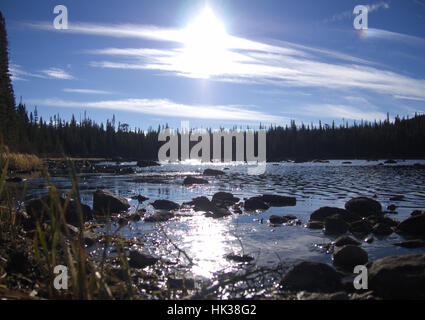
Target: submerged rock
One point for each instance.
(363, 206)
(147, 163)
(160, 216)
(312, 276)
(397, 198)
(349, 256)
(212, 172)
(411, 244)
(104, 202)
(239, 258)
(165, 205)
(274, 200)
(192, 180)
(398, 277)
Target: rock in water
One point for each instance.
(382, 229)
(255, 203)
(413, 226)
(363, 206)
(274, 200)
(141, 259)
(335, 226)
(313, 276)
(411, 244)
(212, 172)
(192, 180)
(160, 216)
(224, 199)
(349, 256)
(104, 202)
(324, 212)
(147, 163)
(361, 227)
(39, 210)
(344, 240)
(398, 277)
(165, 205)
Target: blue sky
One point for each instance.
(218, 63)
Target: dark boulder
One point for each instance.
(39, 209)
(413, 226)
(349, 256)
(382, 229)
(224, 199)
(325, 212)
(140, 198)
(212, 172)
(193, 180)
(315, 225)
(141, 260)
(363, 206)
(201, 203)
(345, 240)
(274, 219)
(398, 277)
(312, 276)
(361, 227)
(104, 202)
(255, 203)
(165, 205)
(335, 226)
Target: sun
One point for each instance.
(205, 51)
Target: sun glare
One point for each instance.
(205, 52)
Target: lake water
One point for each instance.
(207, 240)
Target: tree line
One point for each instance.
(24, 131)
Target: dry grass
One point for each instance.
(22, 161)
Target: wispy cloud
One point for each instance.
(19, 74)
(86, 91)
(165, 107)
(372, 33)
(333, 111)
(57, 73)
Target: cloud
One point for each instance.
(57, 73)
(18, 74)
(342, 111)
(86, 91)
(372, 33)
(241, 60)
(168, 108)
